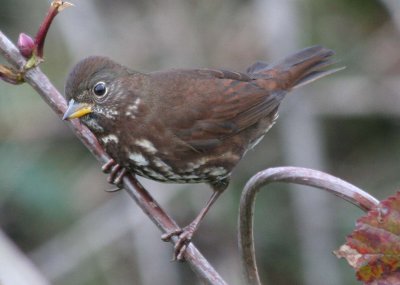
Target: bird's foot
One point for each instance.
(184, 238)
(116, 173)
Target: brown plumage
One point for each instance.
(185, 126)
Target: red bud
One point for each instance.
(25, 45)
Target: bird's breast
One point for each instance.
(159, 161)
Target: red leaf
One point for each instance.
(373, 248)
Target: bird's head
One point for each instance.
(95, 92)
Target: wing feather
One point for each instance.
(222, 104)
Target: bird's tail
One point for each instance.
(298, 69)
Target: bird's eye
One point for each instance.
(100, 89)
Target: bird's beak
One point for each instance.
(76, 110)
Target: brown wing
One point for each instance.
(213, 105)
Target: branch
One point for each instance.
(39, 81)
(294, 175)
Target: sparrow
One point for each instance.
(184, 125)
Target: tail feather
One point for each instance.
(315, 75)
(257, 67)
(299, 69)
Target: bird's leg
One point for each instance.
(116, 173)
(185, 235)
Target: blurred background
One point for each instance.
(57, 222)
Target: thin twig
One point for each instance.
(294, 175)
(39, 81)
(56, 7)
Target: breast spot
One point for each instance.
(110, 138)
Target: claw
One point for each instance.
(113, 173)
(106, 168)
(182, 250)
(185, 235)
(169, 235)
(116, 173)
(113, 190)
(184, 238)
(120, 176)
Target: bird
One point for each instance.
(184, 125)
